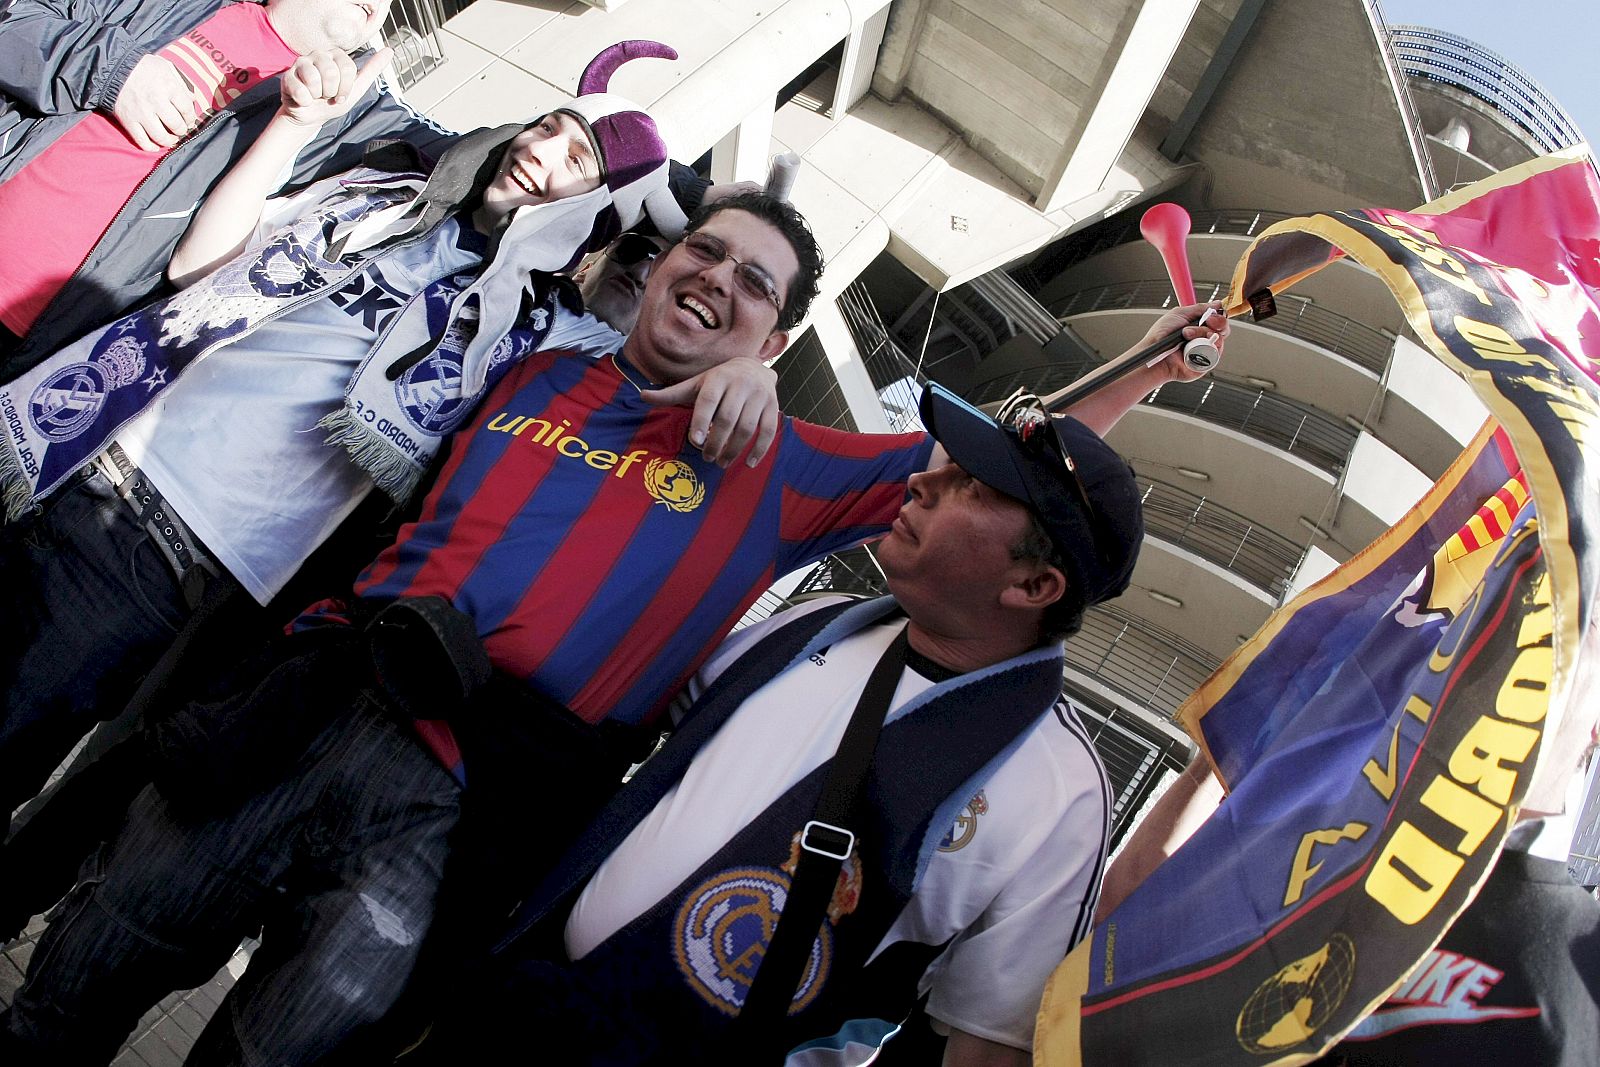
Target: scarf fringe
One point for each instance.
(16, 491)
(393, 473)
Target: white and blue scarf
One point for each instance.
(62, 413)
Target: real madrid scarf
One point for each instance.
(63, 412)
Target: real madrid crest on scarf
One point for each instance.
(64, 411)
(393, 417)
(726, 921)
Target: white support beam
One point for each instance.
(742, 155)
(848, 366)
(860, 55)
(1086, 160)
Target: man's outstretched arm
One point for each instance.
(316, 88)
(1176, 816)
(1100, 410)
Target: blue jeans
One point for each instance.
(93, 606)
(341, 862)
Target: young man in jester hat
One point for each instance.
(199, 449)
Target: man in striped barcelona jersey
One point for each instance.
(588, 531)
(975, 859)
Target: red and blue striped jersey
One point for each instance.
(602, 558)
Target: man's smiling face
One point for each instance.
(550, 160)
(698, 314)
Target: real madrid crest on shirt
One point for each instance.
(726, 921)
(966, 827)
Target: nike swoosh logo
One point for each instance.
(1382, 1023)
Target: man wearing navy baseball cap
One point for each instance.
(1080, 495)
(969, 847)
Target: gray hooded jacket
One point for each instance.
(60, 59)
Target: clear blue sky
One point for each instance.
(1556, 42)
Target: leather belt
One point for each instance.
(184, 553)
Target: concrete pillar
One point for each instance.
(860, 54)
(848, 366)
(742, 155)
(899, 48)
(1086, 159)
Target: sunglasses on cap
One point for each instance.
(751, 279)
(633, 248)
(1023, 415)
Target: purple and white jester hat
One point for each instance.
(631, 150)
(552, 236)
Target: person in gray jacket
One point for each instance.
(63, 60)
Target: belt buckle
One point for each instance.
(108, 467)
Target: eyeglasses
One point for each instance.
(1025, 417)
(751, 279)
(633, 248)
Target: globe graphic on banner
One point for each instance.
(1293, 1004)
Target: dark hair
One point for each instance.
(1063, 618)
(783, 217)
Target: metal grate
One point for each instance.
(412, 30)
(1152, 667)
(1226, 538)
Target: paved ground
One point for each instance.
(165, 1034)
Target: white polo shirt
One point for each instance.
(1012, 889)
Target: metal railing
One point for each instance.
(1409, 115)
(853, 572)
(1299, 429)
(1154, 668)
(1226, 538)
(412, 30)
(1134, 755)
(896, 377)
(767, 605)
(1022, 312)
(1297, 316)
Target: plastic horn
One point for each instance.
(1166, 226)
(780, 179)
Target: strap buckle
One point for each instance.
(825, 839)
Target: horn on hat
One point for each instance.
(597, 75)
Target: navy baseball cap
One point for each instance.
(1082, 492)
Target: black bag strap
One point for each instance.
(825, 843)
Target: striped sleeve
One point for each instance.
(840, 489)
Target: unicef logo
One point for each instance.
(430, 394)
(722, 932)
(66, 403)
(674, 483)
